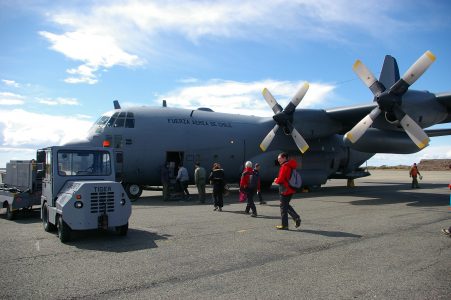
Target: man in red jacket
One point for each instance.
(286, 191)
(249, 184)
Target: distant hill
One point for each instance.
(435, 164)
(424, 165)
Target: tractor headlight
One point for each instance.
(78, 204)
(122, 202)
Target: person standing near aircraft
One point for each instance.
(216, 178)
(182, 179)
(248, 184)
(286, 191)
(414, 173)
(259, 193)
(200, 178)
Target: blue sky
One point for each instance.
(62, 63)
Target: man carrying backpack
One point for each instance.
(249, 185)
(286, 191)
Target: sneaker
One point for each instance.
(254, 215)
(246, 212)
(215, 209)
(446, 231)
(220, 209)
(281, 227)
(298, 222)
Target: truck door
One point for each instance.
(47, 183)
(119, 164)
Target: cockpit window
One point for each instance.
(112, 120)
(130, 123)
(122, 119)
(102, 120)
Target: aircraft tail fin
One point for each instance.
(116, 104)
(390, 72)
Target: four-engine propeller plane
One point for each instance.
(329, 143)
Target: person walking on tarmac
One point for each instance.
(259, 193)
(200, 178)
(286, 191)
(414, 173)
(249, 185)
(182, 179)
(216, 178)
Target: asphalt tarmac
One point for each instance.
(378, 240)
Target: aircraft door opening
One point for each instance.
(174, 159)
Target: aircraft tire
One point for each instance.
(133, 191)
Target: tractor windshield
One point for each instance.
(84, 162)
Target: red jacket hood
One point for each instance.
(292, 164)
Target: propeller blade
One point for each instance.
(368, 78)
(360, 128)
(276, 108)
(297, 98)
(412, 74)
(299, 140)
(415, 132)
(418, 68)
(268, 138)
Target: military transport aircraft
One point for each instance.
(329, 143)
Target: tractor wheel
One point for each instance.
(9, 212)
(122, 230)
(64, 230)
(49, 227)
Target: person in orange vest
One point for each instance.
(414, 173)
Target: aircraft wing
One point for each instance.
(349, 116)
(445, 100)
(438, 132)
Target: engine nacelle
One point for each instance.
(383, 141)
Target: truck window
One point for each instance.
(85, 163)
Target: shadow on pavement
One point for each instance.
(108, 241)
(330, 233)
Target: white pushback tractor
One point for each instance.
(79, 191)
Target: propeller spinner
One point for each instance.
(389, 101)
(284, 119)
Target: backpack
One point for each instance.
(295, 180)
(253, 180)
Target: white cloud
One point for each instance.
(431, 152)
(105, 34)
(59, 101)
(94, 49)
(23, 129)
(7, 98)
(10, 83)
(244, 97)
